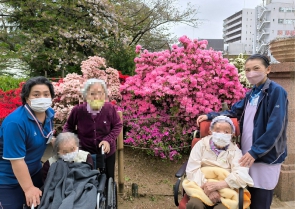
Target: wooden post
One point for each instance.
(120, 148)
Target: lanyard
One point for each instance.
(49, 134)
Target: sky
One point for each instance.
(211, 13)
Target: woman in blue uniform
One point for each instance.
(23, 137)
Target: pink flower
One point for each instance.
(170, 90)
(138, 49)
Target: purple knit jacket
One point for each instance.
(91, 130)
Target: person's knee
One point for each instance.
(191, 205)
(194, 203)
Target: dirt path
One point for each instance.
(154, 177)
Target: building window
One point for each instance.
(289, 21)
(280, 21)
(286, 9)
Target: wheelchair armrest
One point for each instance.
(175, 191)
(181, 171)
(102, 178)
(241, 198)
(178, 175)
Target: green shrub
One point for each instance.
(8, 82)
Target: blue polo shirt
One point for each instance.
(20, 137)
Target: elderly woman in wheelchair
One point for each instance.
(70, 180)
(66, 147)
(213, 171)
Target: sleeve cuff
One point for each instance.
(253, 154)
(209, 116)
(230, 182)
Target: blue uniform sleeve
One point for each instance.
(277, 110)
(14, 143)
(235, 112)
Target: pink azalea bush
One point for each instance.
(95, 67)
(170, 89)
(68, 89)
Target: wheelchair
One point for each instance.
(180, 174)
(107, 188)
(106, 191)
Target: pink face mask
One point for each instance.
(255, 77)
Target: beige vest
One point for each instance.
(81, 157)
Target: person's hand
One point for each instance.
(209, 187)
(214, 197)
(201, 118)
(106, 146)
(53, 141)
(247, 160)
(33, 195)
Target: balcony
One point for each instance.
(234, 31)
(234, 25)
(228, 39)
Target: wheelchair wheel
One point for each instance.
(115, 199)
(101, 201)
(102, 204)
(110, 194)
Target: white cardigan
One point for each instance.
(202, 156)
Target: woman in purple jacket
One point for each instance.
(96, 122)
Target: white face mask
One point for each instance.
(69, 156)
(221, 139)
(40, 104)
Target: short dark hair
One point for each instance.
(263, 58)
(32, 82)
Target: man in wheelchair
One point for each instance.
(213, 170)
(70, 180)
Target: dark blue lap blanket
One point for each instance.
(69, 185)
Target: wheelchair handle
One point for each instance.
(102, 149)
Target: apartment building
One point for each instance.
(238, 32)
(275, 19)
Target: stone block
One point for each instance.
(284, 74)
(285, 189)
